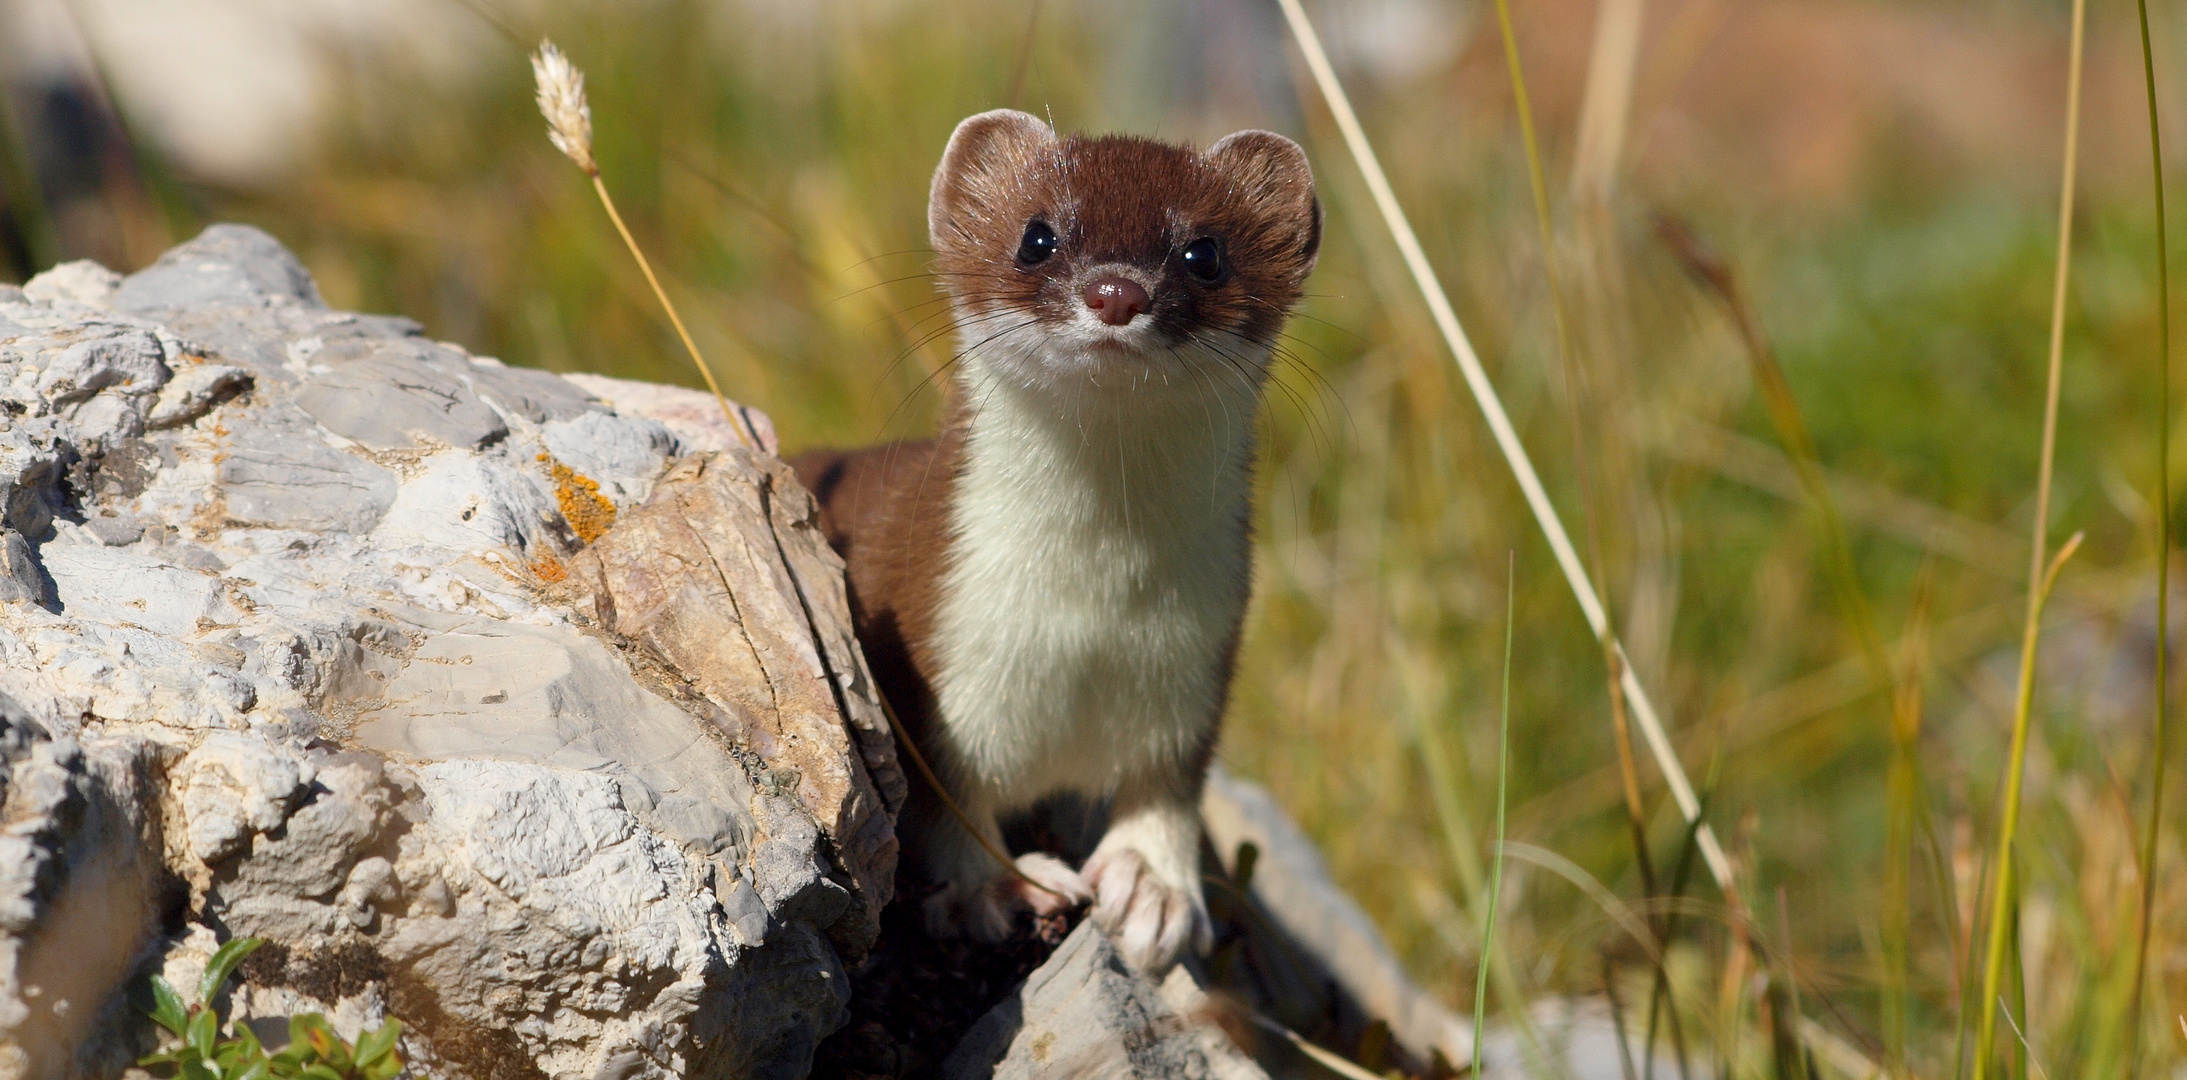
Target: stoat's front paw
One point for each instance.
(1151, 921)
(987, 911)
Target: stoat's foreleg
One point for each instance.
(1145, 874)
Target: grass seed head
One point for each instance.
(562, 102)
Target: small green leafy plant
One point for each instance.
(314, 1050)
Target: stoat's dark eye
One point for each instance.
(1204, 259)
(1037, 244)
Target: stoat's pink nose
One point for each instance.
(1116, 300)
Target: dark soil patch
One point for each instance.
(914, 996)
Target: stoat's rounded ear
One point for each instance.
(1271, 172)
(988, 157)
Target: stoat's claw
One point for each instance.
(1151, 921)
(987, 911)
(1055, 887)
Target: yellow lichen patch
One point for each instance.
(549, 569)
(588, 512)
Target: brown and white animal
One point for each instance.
(1050, 592)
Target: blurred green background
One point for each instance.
(1881, 177)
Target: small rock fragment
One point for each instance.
(79, 282)
(21, 578)
(193, 392)
(236, 786)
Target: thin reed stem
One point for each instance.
(2039, 580)
(1903, 794)
(744, 436)
(1503, 799)
(1458, 836)
(905, 742)
(2164, 557)
(1507, 438)
(1576, 396)
(2002, 906)
(1538, 184)
(560, 88)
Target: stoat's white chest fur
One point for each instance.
(1099, 567)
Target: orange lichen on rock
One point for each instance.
(588, 512)
(549, 569)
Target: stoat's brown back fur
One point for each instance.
(885, 509)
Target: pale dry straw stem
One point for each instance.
(949, 803)
(1507, 438)
(2040, 580)
(561, 96)
(1606, 104)
(1325, 1058)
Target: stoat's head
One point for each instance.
(1077, 256)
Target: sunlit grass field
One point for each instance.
(775, 167)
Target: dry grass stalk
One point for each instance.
(1577, 395)
(2040, 580)
(2000, 936)
(1903, 803)
(1716, 274)
(561, 90)
(1507, 438)
(1606, 103)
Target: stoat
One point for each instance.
(1050, 592)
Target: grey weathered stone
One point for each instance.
(80, 282)
(693, 415)
(1083, 1013)
(1330, 934)
(387, 400)
(80, 889)
(194, 389)
(533, 395)
(226, 266)
(281, 473)
(291, 646)
(21, 578)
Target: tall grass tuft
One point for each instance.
(1507, 438)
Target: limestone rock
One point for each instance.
(301, 638)
(1084, 1014)
(692, 414)
(1335, 973)
(701, 577)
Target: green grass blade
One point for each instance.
(2039, 581)
(1993, 965)
(2164, 554)
(1503, 799)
